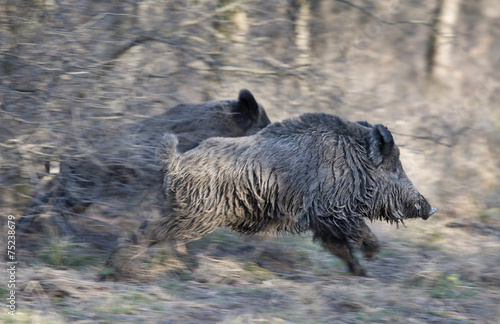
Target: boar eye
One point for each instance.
(394, 170)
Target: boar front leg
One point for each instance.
(341, 248)
(368, 243)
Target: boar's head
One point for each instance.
(395, 196)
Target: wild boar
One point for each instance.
(108, 163)
(315, 173)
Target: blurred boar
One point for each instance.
(121, 163)
(314, 173)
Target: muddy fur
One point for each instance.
(315, 173)
(109, 163)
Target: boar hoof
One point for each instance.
(370, 249)
(358, 271)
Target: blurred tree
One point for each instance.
(441, 44)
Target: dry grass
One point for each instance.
(231, 279)
(89, 68)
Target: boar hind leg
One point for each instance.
(146, 237)
(173, 230)
(148, 234)
(341, 248)
(369, 244)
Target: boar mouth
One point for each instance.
(432, 211)
(420, 209)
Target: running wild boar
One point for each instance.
(315, 173)
(109, 163)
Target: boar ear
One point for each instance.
(365, 123)
(381, 144)
(247, 106)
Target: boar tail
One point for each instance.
(168, 149)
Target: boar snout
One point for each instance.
(431, 211)
(423, 209)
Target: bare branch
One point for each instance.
(19, 119)
(292, 71)
(385, 21)
(70, 213)
(145, 38)
(219, 11)
(438, 139)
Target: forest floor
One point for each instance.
(435, 271)
(72, 66)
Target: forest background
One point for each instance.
(428, 70)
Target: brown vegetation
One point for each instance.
(68, 67)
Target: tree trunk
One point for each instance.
(303, 41)
(441, 44)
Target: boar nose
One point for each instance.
(432, 211)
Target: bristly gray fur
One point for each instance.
(125, 167)
(316, 172)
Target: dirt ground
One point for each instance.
(68, 67)
(438, 271)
